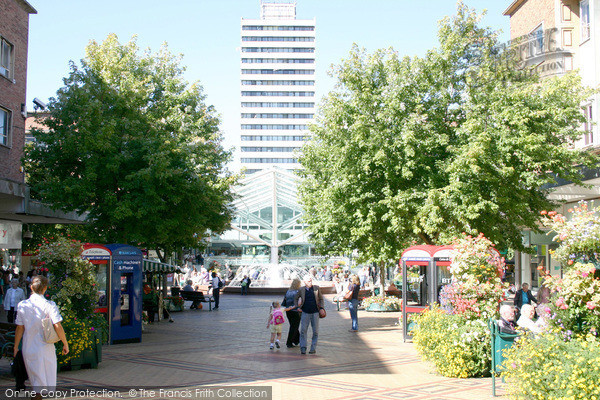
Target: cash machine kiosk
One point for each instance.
(424, 272)
(125, 294)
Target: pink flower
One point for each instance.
(584, 274)
(590, 305)
(560, 303)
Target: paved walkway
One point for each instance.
(230, 347)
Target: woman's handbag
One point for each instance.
(50, 335)
(348, 295)
(322, 313)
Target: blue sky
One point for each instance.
(207, 33)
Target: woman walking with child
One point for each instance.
(292, 313)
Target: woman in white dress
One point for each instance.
(39, 356)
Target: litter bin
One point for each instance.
(500, 341)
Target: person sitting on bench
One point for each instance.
(189, 288)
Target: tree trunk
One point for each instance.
(382, 278)
(426, 239)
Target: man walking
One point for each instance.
(217, 284)
(309, 299)
(13, 297)
(522, 297)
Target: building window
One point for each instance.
(277, 138)
(278, 104)
(276, 39)
(277, 83)
(6, 58)
(268, 160)
(4, 127)
(279, 71)
(588, 134)
(278, 50)
(584, 14)
(278, 93)
(279, 116)
(270, 149)
(275, 126)
(537, 36)
(276, 28)
(278, 60)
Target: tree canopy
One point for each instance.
(420, 149)
(133, 144)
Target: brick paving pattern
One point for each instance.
(229, 347)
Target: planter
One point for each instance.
(89, 358)
(170, 306)
(381, 308)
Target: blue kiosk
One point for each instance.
(125, 294)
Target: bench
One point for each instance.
(197, 297)
(338, 299)
(500, 341)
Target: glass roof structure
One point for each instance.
(268, 216)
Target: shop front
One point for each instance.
(10, 244)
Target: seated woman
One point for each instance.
(526, 319)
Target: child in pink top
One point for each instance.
(275, 322)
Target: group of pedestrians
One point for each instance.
(304, 306)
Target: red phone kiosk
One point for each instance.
(425, 271)
(100, 257)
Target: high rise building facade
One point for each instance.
(277, 86)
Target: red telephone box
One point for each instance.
(100, 257)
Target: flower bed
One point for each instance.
(457, 346)
(382, 303)
(548, 367)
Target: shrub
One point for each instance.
(575, 305)
(457, 346)
(476, 289)
(548, 368)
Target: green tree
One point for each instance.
(422, 149)
(133, 144)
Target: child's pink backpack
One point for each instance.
(278, 317)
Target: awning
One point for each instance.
(155, 266)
